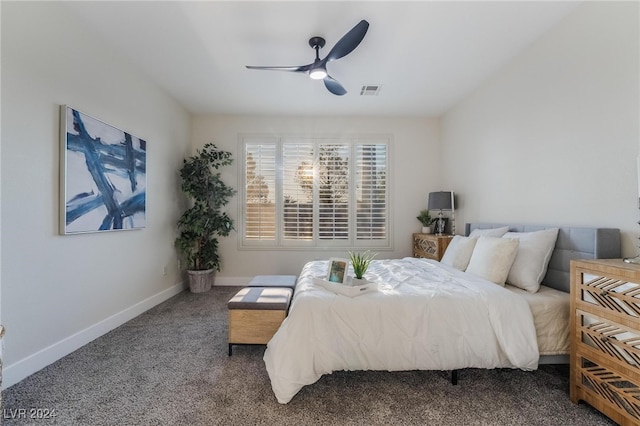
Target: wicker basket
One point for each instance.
(201, 281)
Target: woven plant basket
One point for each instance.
(201, 281)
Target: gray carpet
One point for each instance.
(169, 366)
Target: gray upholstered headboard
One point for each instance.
(572, 243)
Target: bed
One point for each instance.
(550, 305)
(429, 315)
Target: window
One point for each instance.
(315, 192)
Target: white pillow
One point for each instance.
(491, 232)
(492, 258)
(534, 252)
(459, 252)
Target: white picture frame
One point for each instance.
(103, 180)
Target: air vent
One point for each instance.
(370, 90)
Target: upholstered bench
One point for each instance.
(287, 281)
(255, 314)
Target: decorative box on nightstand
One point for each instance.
(430, 246)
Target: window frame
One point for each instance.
(279, 242)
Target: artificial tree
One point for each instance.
(204, 222)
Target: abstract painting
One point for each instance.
(102, 176)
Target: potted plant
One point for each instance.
(425, 219)
(202, 224)
(360, 263)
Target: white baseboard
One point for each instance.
(14, 373)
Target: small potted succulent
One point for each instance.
(360, 263)
(425, 219)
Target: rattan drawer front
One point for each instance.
(620, 297)
(612, 344)
(609, 391)
(425, 248)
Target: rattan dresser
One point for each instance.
(605, 337)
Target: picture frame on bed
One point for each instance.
(337, 270)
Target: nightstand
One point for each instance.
(430, 246)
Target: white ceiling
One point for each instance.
(426, 55)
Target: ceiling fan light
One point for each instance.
(318, 73)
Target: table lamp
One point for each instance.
(441, 200)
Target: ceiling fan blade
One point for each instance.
(301, 68)
(348, 42)
(334, 87)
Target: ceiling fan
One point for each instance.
(318, 69)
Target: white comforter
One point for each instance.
(426, 316)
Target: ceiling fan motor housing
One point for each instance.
(317, 42)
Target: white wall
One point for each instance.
(553, 138)
(414, 167)
(59, 292)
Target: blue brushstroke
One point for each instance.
(81, 206)
(130, 161)
(81, 196)
(110, 155)
(133, 205)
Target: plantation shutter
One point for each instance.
(297, 193)
(259, 200)
(323, 192)
(371, 191)
(333, 191)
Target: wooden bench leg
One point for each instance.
(454, 377)
(230, 348)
